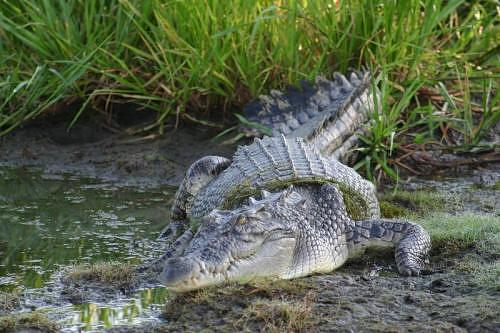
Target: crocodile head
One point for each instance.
(239, 244)
(272, 237)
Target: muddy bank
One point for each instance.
(360, 297)
(89, 150)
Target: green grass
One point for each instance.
(437, 61)
(475, 239)
(418, 203)
(461, 232)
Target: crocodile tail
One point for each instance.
(325, 113)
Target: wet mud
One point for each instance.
(91, 151)
(360, 297)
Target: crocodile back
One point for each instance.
(277, 162)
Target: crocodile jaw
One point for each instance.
(272, 260)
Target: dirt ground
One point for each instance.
(364, 296)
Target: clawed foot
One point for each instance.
(412, 250)
(171, 231)
(410, 269)
(410, 263)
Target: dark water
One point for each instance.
(50, 222)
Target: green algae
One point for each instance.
(356, 205)
(391, 210)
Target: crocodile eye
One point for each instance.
(241, 219)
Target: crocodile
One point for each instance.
(291, 233)
(224, 233)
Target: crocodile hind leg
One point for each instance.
(199, 174)
(412, 242)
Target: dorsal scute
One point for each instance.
(277, 162)
(296, 111)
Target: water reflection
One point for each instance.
(49, 222)
(92, 316)
(46, 222)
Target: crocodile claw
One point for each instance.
(410, 265)
(409, 270)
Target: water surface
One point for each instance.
(49, 222)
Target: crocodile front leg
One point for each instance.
(412, 242)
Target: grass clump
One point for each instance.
(118, 275)
(259, 305)
(279, 315)
(451, 233)
(20, 322)
(421, 202)
(9, 301)
(485, 274)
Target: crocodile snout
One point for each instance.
(180, 273)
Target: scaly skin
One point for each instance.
(266, 164)
(333, 214)
(288, 234)
(328, 116)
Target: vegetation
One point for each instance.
(436, 212)
(436, 62)
(453, 233)
(118, 275)
(406, 203)
(8, 301)
(258, 305)
(279, 315)
(27, 322)
(473, 238)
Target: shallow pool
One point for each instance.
(48, 223)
